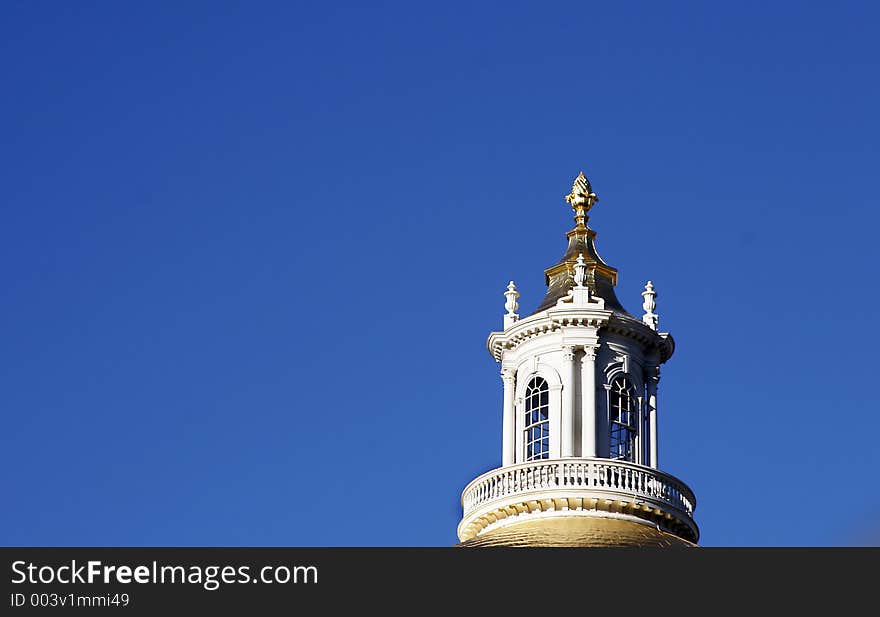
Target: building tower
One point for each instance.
(579, 458)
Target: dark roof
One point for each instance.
(601, 277)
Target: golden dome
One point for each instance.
(578, 531)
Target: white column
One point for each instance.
(603, 426)
(568, 401)
(508, 420)
(519, 430)
(588, 402)
(555, 420)
(640, 432)
(653, 378)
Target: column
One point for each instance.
(588, 402)
(555, 420)
(568, 401)
(603, 427)
(640, 432)
(653, 378)
(508, 420)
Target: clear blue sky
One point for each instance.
(251, 253)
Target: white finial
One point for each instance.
(580, 295)
(511, 305)
(649, 318)
(580, 271)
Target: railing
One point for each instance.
(595, 474)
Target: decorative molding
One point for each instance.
(554, 319)
(546, 372)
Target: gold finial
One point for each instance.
(581, 198)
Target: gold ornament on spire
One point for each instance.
(581, 198)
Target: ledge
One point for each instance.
(578, 486)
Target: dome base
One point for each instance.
(577, 531)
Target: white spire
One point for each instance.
(649, 318)
(580, 271)
(511, 305)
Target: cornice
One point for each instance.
(554, 319)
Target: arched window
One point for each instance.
(537, 420)
(623, 420)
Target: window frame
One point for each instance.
(623, 431)
(536, 420)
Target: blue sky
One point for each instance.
(251, 253)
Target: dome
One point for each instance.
(577, 531)
(601, 278)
